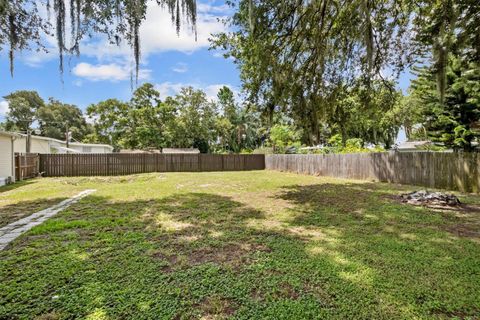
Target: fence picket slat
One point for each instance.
(454, 171)
(55, 165)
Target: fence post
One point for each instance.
(143, 161)
(108, 164)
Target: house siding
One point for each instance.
(36, 146)
(90, 149)
(6, 156)
(50, 145)
(40, 146)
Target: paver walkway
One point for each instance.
(11, 231)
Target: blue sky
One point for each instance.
(103, 71)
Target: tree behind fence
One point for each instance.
(109, 164)
(453, 171)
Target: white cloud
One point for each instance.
(3, 108)
(38, 58)
(180, 67)
(158, 34)
(167, 89)
(223, 9)
(217, 54)
(212, 90)
(106, 72)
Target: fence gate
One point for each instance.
(26, 165)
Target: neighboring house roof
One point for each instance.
(66, 149)
(180, 150)
(89, 145)
(319, 147)
(138, 151)
(9, 134)
(80, 144)
(412, 145)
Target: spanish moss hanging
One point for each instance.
(22, 26)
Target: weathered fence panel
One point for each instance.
(26, 165)
(453, 171)
(110, 164)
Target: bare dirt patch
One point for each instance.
(48, 316)
(464, 219)
(172, 261)
(460, 208)
(216, 307)
(470, 230)
(233, 255)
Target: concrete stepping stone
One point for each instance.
(13, 230)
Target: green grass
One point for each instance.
(257, 245)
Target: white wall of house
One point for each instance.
(90, 148)
(40, 146)
(19, 145)
(6, 157)
(50, 145)
(36, 145)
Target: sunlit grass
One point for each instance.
(237, 245)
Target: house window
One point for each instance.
(87, 149)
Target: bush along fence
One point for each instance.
(110, 164)
(453, 171)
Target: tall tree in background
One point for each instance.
(447, 89)
(455, 122)
(298, 57)
(195, 119)
(448, 27)
(295, 56)
(238, 126)
(149, 120)
(376, 122)
(23, 26)
(109, 119)
(186, 120)
(55, 118)
(23, 108)
(27, 109)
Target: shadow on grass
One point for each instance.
(348, 253)
(15, 185)
(352, 206)
(13, 212)
(423, 255)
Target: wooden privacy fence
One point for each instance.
(453, 171)
(109, 164)
(26, 165)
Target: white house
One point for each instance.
(180, 150)
(7, 157)
(11, 142)
(410, 146)
(40, 144)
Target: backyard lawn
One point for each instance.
(243, 245)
